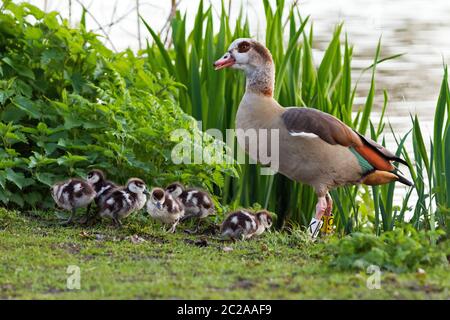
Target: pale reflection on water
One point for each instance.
(420, 29)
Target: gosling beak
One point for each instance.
(158, 205)
(226, 61)
(146, 192)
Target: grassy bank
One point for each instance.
(141, 262)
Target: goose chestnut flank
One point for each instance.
(123, 201)
(165, 208)
(315, 147)
(243, 225)
(197, 203)
(72, 194)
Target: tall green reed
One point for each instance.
(430, 169)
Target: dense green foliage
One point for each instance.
(400, 250)
(213, 97)
(68, 103)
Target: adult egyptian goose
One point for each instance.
(315, 147)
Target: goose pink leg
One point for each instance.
(316, 222)
(329, 205)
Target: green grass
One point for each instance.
(36, 251)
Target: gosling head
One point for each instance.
(264, 219)
(136, 185)
(95, 176)
(245, 54)
(175, 189)
(158, 197)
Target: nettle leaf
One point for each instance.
(71, 121)
(3, 179)
(16, 198)
(47, 178)
(28, 106)
(52, 54)
(38, 160)
(50, 147)
(4, 196)
(23, 88)
(19, 68)
(5, 94)
(18, 178)
(33, 33)
(32, 198)
(12, 114)
(70, 160)
(34, 11)
(50, 20)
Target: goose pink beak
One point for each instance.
(226, 61)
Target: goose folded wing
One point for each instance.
(304, 121)
(307, 122)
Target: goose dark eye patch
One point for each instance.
(243, 47)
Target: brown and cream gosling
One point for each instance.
(97, 179)
(123, 201)
(72, 194)
(197, 203)
(165, 208)
(243, 225)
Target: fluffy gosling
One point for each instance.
(163, 207)
(244, 225)
(123, 201)
(197, 204)
(72, 194)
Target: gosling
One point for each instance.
(197, 204)
(97, 179)
(72, 194)
(123, 201)
(244, 225)
(163, 207)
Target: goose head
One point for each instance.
(136, 185)
(175, 189)
(264, 219)
(95, 176)
(157, 197)
(255, 60)
(245, 54)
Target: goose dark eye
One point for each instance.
(243, 47)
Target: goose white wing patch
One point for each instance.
(303, 134)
